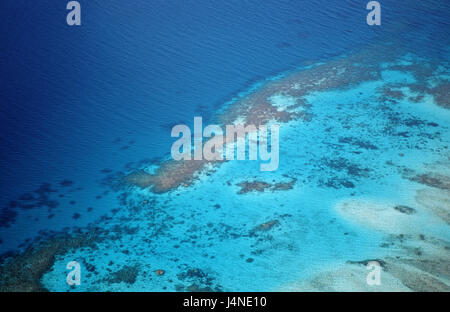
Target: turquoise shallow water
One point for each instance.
(343, 152)
(82, 108)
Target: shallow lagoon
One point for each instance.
(209, 236)
(362, 134)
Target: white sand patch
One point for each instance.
(347, 278)
(285, 102)
(380, 216)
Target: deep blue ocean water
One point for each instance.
(78, 100)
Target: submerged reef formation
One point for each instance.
(39, 198)
(261, 186)
(405, 209)
(203, 225)
(433, 179)
(261, 106)
(127, 274)
(266, 226)
(168, 176)
(23, 271)
(268, 104)
(197, 281)
(46, 198)
(421, 264)
(416, 260)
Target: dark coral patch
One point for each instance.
(127, 274)
(45, 189)
(159, 272)
(342, 164)
(339, 183)
(284, 186)
(405, 209)
(27, 201)
(261, 186)
(254, 186)
(38, 259)
(440, 93)
(392, 93)
(198, 281)
(266, 226)
(66, 183)
(7, 217)
(358, 143)
(433, 180)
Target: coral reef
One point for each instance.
(433, 179)
(127, 274)
(405, 209)
(261, 186)
(23, 271)
(266, 226)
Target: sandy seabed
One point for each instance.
(417, 255)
